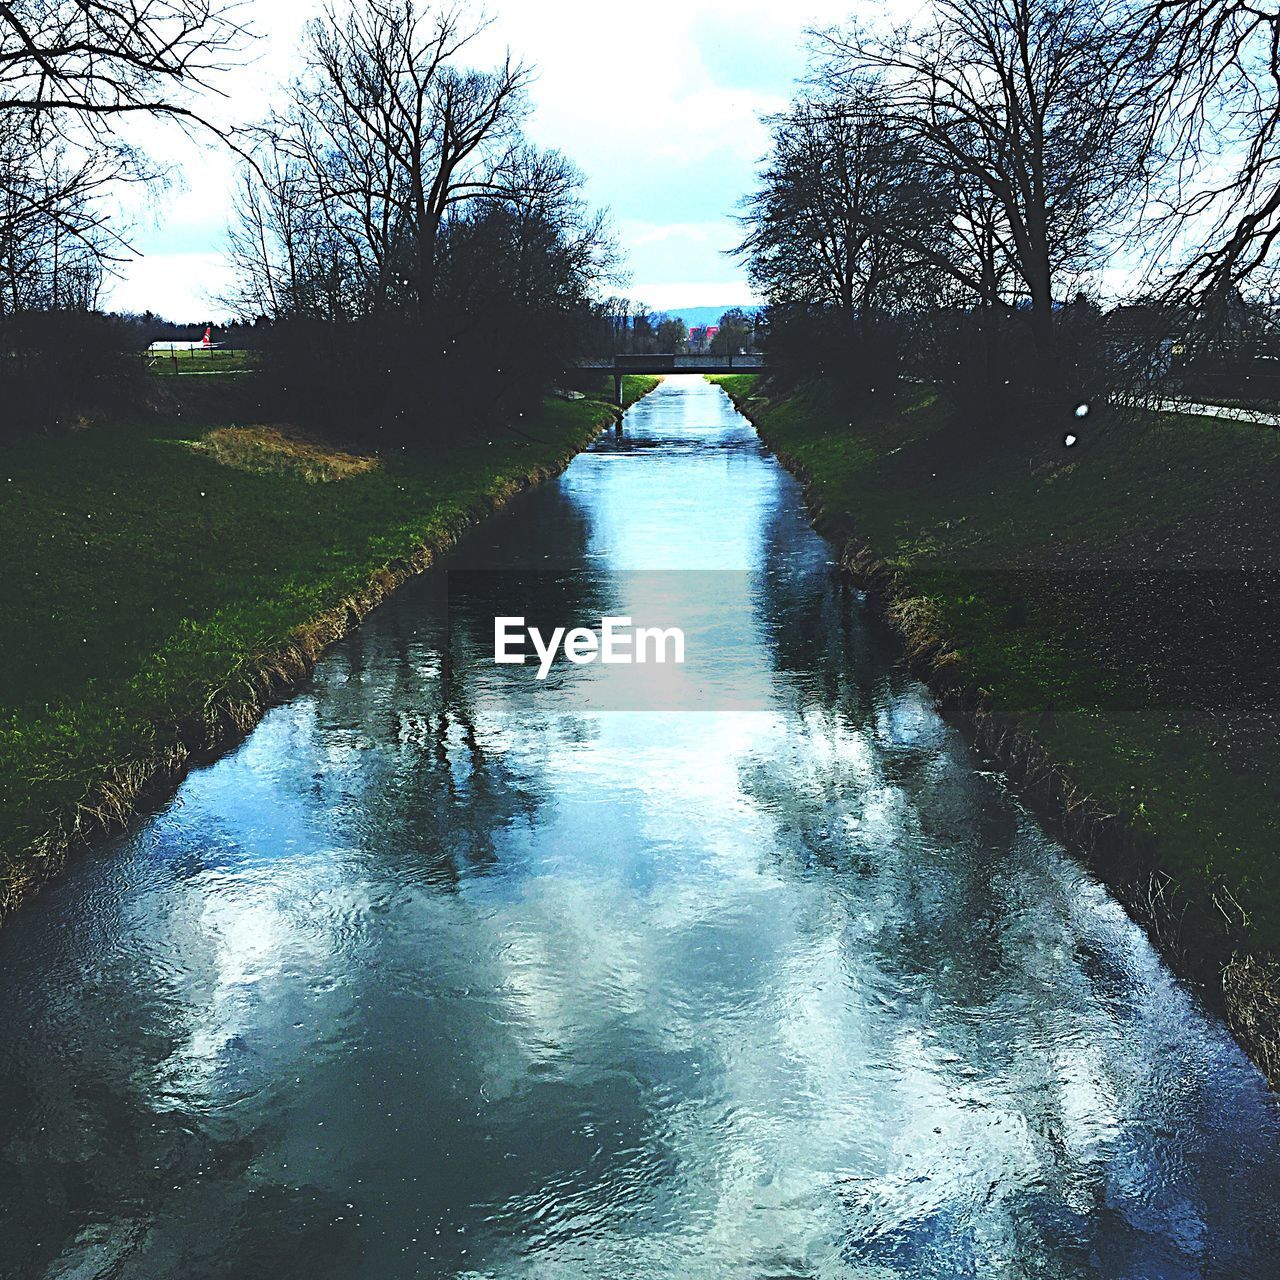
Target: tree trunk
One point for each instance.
(1042, 325)
(426, 282)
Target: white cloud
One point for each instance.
(646, 233)
(665, 296)
(659, 105)
(181, 286)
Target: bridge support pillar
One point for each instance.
(617, 387)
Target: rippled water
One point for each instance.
(442, 975)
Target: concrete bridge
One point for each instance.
(620, 366)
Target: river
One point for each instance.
(446, 971)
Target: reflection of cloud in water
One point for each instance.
(427, 978)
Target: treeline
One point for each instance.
(624, 327)
(417, 256)
(950, 196)
(70, 72)
(407, 256)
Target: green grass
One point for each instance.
(140, 571)
(1120, 597)
(169, 364)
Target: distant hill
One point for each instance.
(693, 316)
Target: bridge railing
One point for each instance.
(621, 365)
(671, 363)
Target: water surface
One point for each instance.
(441, 974)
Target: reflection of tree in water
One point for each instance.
(950, 835)
(532, 561)
(400, 769)
(407, 764)
(543, 530)
(810, 616)
(940, 886)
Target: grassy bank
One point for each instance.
(1117, 600)
(161, 578)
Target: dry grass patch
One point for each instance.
(270, 451)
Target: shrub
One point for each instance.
(863, 356)
(57, 364)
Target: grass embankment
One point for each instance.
(159, 580)
(1118, 601)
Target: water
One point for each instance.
(443, 975)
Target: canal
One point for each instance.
(446, 971)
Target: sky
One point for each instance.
(658, 103)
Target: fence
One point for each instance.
(199, 360)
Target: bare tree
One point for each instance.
(565, 251)
(69, 70)
(287, 257)
(1216, 67)
(409, 240)
(1036, 111)
(386, 133)
(55, 235)
(92, 59)
(845, 216)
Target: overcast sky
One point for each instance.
(658, 102)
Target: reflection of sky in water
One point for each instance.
(442, 975)
(724, 635)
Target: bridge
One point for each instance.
(620, 366)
